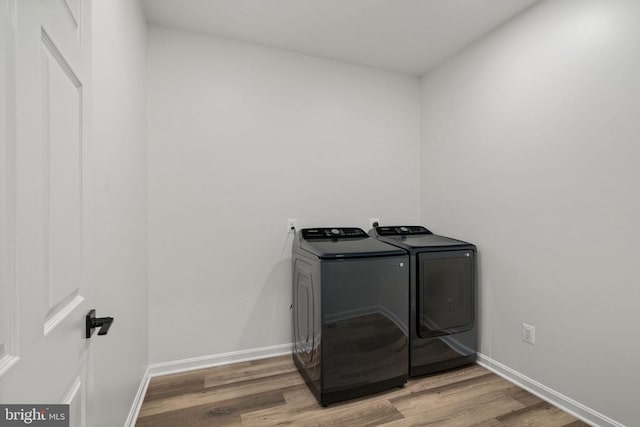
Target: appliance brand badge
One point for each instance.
(34, 415)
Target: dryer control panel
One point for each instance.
(332, 233)
(402, 230)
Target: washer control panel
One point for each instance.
(402, 230)
(332, 233)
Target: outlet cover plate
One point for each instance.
(529, 333)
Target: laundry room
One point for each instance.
(221, 183)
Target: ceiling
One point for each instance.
(408, 36)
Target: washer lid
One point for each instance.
(346, 243)
(425, 241)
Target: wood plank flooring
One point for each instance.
(270, 392)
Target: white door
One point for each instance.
(45, 230)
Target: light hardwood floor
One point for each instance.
(270, 392)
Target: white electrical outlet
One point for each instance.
(528, 333)
(291, 225)
(372, 220)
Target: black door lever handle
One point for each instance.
(92, 322)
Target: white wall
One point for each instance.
(240, 138)
(531, 149)
(119, 147)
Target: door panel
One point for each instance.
(76, 398)
(365, 303)
(62, 111)
(74, 7)
(446, 302)
(47, 186)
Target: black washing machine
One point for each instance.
(350, 313)
(442, 301)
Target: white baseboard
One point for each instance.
(191, 364)
(577, 409)
(137, 401)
